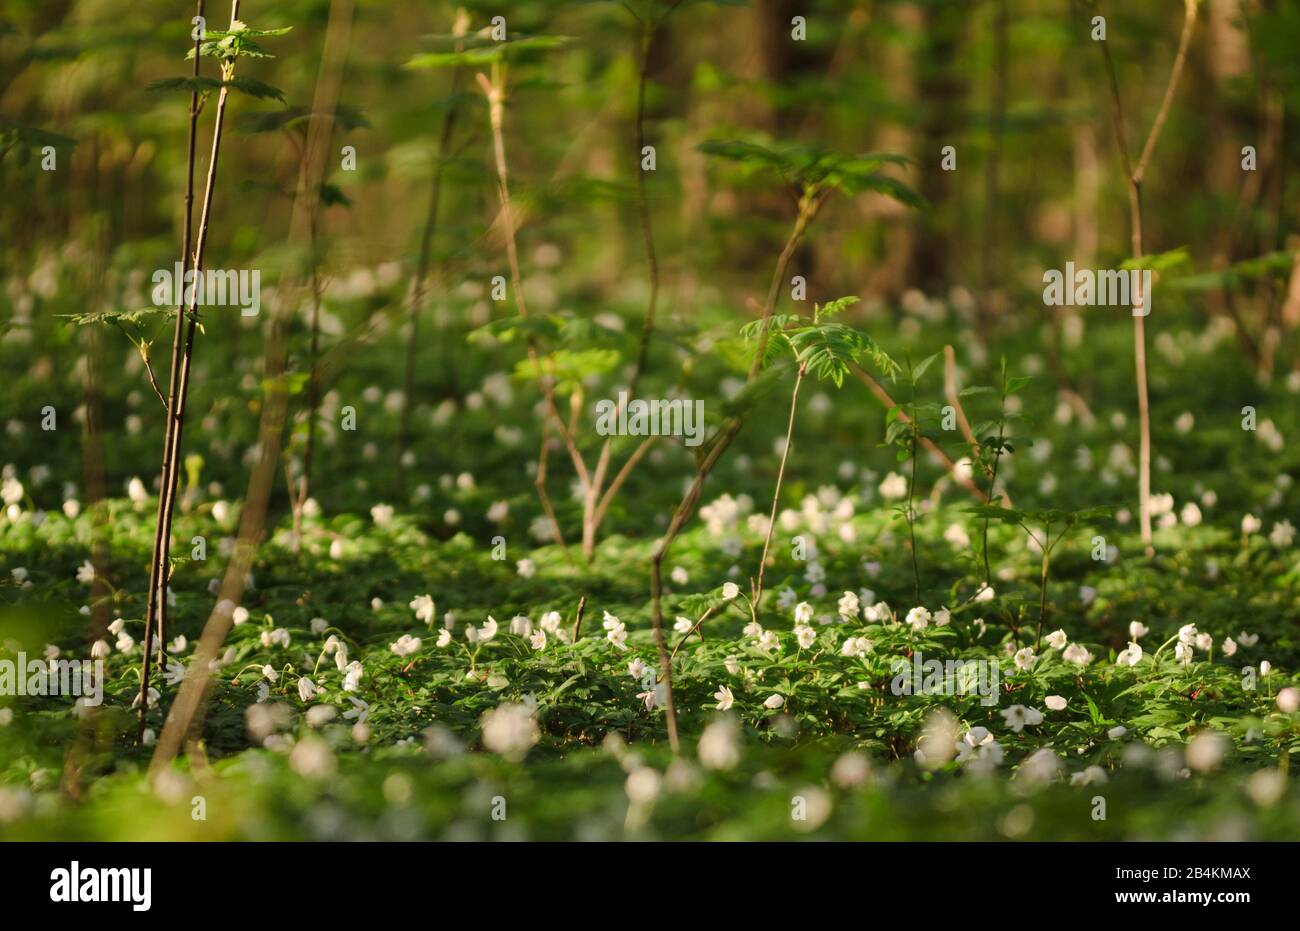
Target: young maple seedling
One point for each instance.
(991, 447)
(823, 348)
(904, 429)
(811, 175)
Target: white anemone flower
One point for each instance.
(1129, 656)
(1017, 717)
(423, 607)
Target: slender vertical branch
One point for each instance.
(911, 491)
(156, 598)
(648, 30)
(1136, 174)
(177, 412)
(596, 500)
(426, 246)
(780, 477)
(186, 713)
(313, 381)
(1042, 584)
(993, 475)
(539, 482)
(953, 392)
(494, 90)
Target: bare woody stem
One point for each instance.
(423, 263)
(156, 606)
(993, 486)
(911, 494)
(540, 483)
(953, 393)
(694, 628)
(185, 716)
(1042, 582)
(313, 388)
(595, 499)
(776, 492)
(1136, 174)
(494, 91)
(177, 415)
(643, 204)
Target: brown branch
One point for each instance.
(1135, 176)
(185, 714)
(494, 91)
(156, 598)
(953, 393)
(1180, 58)
(621, 477)
(544, 497)
(153, 379)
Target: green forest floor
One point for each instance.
(510, 737)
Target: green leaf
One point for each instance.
(1159, 262)
(246, 32)
(1015, 383)
(569, 367)
(187, 83)
(116, 317)
(507, 329)
(804, 165)
(201, 85)
(924, 364)
(235, 43)
(12, 133)
(833, 308)
(1272, 263)
(480, 51)
(256, 88)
